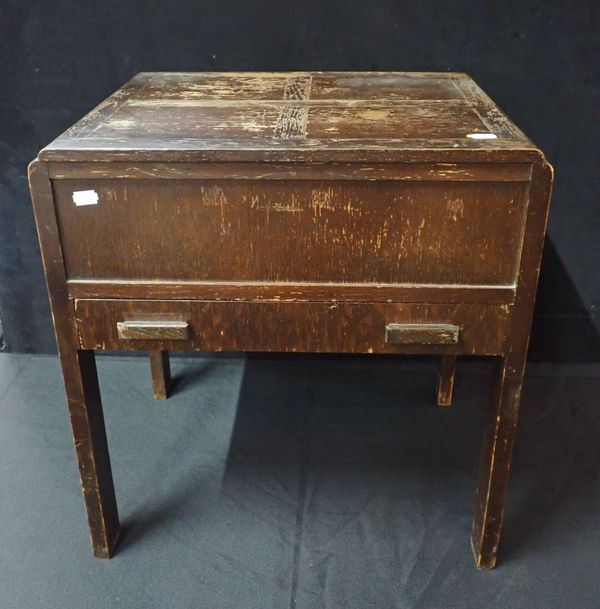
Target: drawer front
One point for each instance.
(348, 231)
(317, 327)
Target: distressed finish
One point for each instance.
(270, 230)
(316, 212)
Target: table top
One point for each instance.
(294, 116)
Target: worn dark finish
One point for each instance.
(315, 212)
(270, 230)
(160, 369)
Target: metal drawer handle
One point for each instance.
(421, 334)
(153, 330)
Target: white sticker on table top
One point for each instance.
(482, 136)
(85, 197)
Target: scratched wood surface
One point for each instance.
(461, 233)
(292, 116)
(299, 212)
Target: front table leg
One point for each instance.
(499, 435)
(89, 436)
(498, 441)
(79, 373)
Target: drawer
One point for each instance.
(319, 327)
(273, 230)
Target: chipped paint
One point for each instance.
(292, 120)
(291, 123)
(320, 199)
(213, 196)
(455, 209)
(298, 88)
(373, 114)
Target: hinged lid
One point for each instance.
(294, 116)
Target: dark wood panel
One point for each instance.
(215, 86)
(200, 121)
(290, 327)
(386, 85)
(401, 121)
(241, 87)
(295, 231)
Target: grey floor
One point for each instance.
(298, 483)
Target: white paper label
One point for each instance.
(482, 136)
(85, 197)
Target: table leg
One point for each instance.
(160, 369)
(446, 380)
(498, 441)
(89, 437)
(80, 377)
(499, 435)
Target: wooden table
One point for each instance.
(313, 212)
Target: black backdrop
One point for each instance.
(539, 61)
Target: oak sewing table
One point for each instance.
(396, 213)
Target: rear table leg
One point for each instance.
(446, 380)
(161, 374)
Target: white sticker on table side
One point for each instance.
(482, 136)
(85, 197)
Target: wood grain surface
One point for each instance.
(347, 231)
